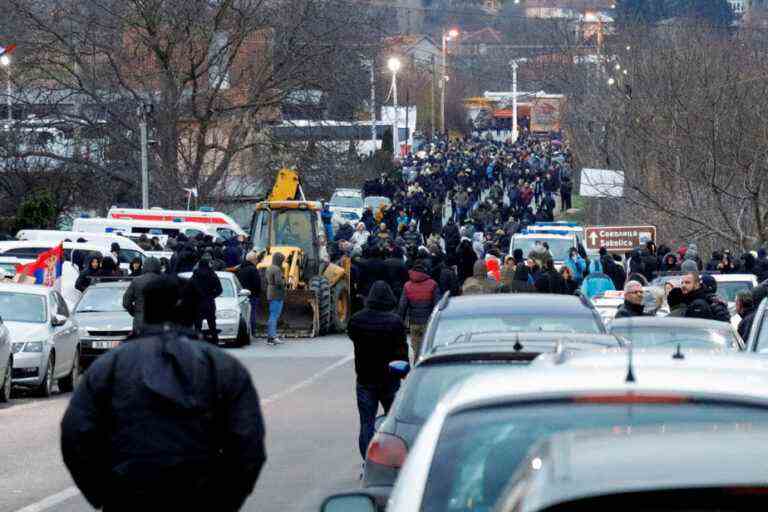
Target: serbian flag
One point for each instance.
(46, 270)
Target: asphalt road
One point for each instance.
(307, 392)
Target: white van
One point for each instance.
(74, 252)
(50, 235)
(223, 225)
(130, 227)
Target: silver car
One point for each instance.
(6, 362)
(564, 472)
(454, 463)
(669, 332)
(233, 310)
(46, 343)
(104, 322)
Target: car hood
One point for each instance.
(27, 331)
(112, 321)
(229, 303)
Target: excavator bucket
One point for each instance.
(299, 319)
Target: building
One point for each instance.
(420, 49)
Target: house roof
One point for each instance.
(484, 35)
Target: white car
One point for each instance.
(347, 205)
(6, 362)
(233, 310)
(46, 341)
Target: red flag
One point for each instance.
(46, 270)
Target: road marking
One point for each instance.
(308, 381)
(51, 501)
(70, 492)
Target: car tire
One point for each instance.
(322, 289)
(340, 306)
(243, 338)
(5, 388)
(45, 388)
(69, 382)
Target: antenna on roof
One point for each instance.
(559, 351)
(630, 370)
(678, 353)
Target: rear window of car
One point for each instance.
(686, 337)
(727, 290)
(449, 328)
(479, 450)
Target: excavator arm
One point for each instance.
(287, 186)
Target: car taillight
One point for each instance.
(631, 398)
(387, 450)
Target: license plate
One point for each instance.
(104, 344)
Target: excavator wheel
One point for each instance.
(340, 306)
(322, 289)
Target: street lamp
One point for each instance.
(515, 130)
(5, 61)
(447, 36)
(394, 66)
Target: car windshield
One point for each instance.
(448, 329)
(346, 201)
(227, 287)
(376, 201)
(293, 228)
(686, 337)
(107, 299)
(559, 247)
(427, 384)
(22, 307)
(478, 450)
(727, 290)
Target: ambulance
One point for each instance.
(224, 226)
(134, 228)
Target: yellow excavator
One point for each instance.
(317, 299)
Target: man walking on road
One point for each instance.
(249, 277)
(133, 299)
(164, 422)
(420, 294)
(275, 296)
(378, 335)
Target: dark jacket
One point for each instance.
(205, 446)
(249, 277)
(478, 284)
(207, 287)
(396, 274)
(697, 305)
(275, 279)
(628, 310)
(378, 335)
(84, 279)
(133, 298)
(233, 254)
(420, 294)
(550, 281)
(745, 325)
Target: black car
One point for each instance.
(438, 371)
(510, 312)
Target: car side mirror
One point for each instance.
(399, 368)
(244, 293)
(58, 320)
(349, 502)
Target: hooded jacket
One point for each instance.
(596, 283)
(84, 279)
(206, 447)
(420, 294)
(133, 298)
(274, 278)
(378, 335)
(207, 287)
(478, 284)
(697, 305)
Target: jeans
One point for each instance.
(275, 308)
(254, 312)
(368, 398)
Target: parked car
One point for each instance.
(563, 472)
(438, 372)
(104, 322)
(347, 204)
(652, 331)
(515, 312)
(757, 340)
(233, 310)
(484, 427)
(46, 343)
(6, 362)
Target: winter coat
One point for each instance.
(447, 280)
(84, 279)
(396, 274)
(697, 305)
(578, 267)
(745, 325)
(420, 295)
(274, 278)
(378, 335)
(596, 283)
(133, 298)
(233, 255)
(249, 277)
(207, 287)
(466, 259)
(628, 310)
(413, 237)
(550, 281)
(479, 284)
(164, 423)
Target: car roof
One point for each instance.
(35, 289)
(528, 303)
(729, 278)
(219, 273)
(698, 372)
(669, 321)
(542, 235)
(628, 461)
(110, 284)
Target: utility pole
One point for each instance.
(447, 36)
(372, 62)
(432, 96)
(144, 111)
(515, 133)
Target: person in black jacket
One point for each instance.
(745, 307)
(92, 269)
(249, 277)
(207, 287)
(633, 301)
(695, 297)
(163, 422)
(378, 335)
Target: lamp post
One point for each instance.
(144, 111)
(394, 66)
(447, 36)
(515, 132)
(5, 61)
